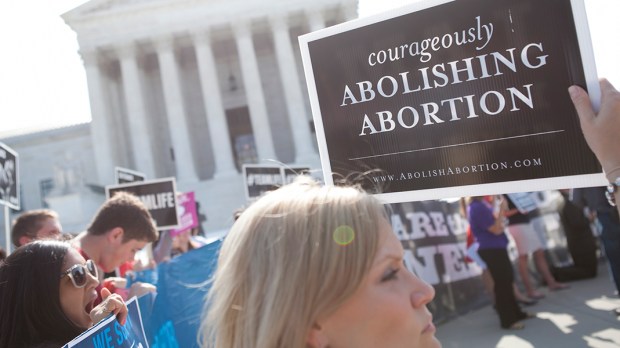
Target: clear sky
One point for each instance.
(43, 83)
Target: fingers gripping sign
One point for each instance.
(112, 303)
(602, 130)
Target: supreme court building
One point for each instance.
(191, 89)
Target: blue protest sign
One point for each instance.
(181, 289)
(109, 333)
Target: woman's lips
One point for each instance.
(430, 328)
(91, 304)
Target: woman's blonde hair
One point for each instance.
(291, 258)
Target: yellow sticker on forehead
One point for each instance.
(344, 235)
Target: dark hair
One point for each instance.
(2, 255)
(29, 223)
(30, 310)
(126, 211)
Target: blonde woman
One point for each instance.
(312, 266)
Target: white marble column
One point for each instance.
(316, 20)
(175, 111)
(298, 119)
(100, 131)
(216, 116)
(254, 91)
(136, 112)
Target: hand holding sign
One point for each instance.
(112, 303)
(602, 130)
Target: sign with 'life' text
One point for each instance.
(260, 179)
(110, 333)
(159, 197)
(454, 98)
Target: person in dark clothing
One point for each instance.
(594, 198)
(580, 241)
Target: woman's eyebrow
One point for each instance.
(390, 256)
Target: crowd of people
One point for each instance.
(304, 266)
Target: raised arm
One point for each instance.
(602, 130)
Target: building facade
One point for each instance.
(193, 89)
(56, 167)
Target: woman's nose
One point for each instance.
(92, 280)
(422, 293)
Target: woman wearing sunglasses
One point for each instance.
(47, 291)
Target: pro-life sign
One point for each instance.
(260, 179)
(159, 197)
(9, 177)
(455, 98)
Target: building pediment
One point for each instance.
(96, 8)
(106, 23)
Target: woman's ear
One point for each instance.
(316, 337)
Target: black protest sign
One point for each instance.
(458, 98)
(433, 237)
(124, 176)
(159, 196)
(260, 179)
(9, 177)
(290, 173)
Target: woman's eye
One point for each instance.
(391, 274)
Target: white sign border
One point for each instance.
(589, 69)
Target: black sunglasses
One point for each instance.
(78, 275)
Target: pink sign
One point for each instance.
(188, 217)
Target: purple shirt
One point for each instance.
(480, 217)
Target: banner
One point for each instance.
(9, 177)
(159, 196)
(181, 290)
(110, 333)
(188, 216)
(433, 234)
(454, 98)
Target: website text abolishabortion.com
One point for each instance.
(458, 170)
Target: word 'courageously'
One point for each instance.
(477, 33)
